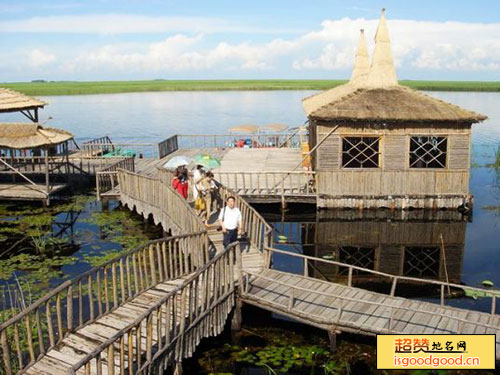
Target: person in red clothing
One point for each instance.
(180, 181)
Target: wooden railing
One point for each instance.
(107, 178)
(296, 183)
(103, 146)
(152, 196)
(200, 141)
(196, 309)
(75, 303)
(97, 146)
(168, 146)
(395, 278)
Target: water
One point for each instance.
(154, 116)
(385, 243)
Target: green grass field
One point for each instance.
(108, 87)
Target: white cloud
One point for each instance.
(418, 47)
(39, 58)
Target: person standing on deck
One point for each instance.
(197, 177)
(230, 221)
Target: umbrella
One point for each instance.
(247, 129)
(177, 161)
(274, 127)
(207, 161)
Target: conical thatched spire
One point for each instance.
(382, 72)
(361, 61)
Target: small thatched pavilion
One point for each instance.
(35, 151)
(13, 101)
(380, 144)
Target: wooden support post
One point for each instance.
(178, 368)
(47, 170)
(237, 319)
(332, 338)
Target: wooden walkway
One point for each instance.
(149, 309)
(336, 307)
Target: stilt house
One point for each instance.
(380, 144)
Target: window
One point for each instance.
(360, 152)
(357, 256)
(428, 152)
(421, 261)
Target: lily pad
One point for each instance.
(487, 282)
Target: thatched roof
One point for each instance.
(273, 127)
(249, 129)
(24, 136)
(11, 101)
(376, 95)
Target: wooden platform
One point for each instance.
(326, 305)
(28, 192)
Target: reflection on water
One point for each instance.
(403, 243)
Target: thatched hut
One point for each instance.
(380, 144)
(13, 101)
(28, 152)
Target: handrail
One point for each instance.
(281, 183)
(395, 278)
(349, 299)
(187, 141)
(102, 289)
(107, 178)
(151, 195)
(223, 287)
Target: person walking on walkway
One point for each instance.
(230, 221)
(180, 181)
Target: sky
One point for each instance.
(316, 39)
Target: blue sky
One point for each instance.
(131, 39)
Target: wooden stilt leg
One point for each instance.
(178, 368)
(332, 337)
(237, 318)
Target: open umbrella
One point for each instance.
(207, 161)
(177, 161)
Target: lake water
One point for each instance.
(472, 245)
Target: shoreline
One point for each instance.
(114, 87)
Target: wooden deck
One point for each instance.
(326, 305)
(28, 192)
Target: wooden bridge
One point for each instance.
(145, 311)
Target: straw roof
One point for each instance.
(244, 129)
(376, 95)
(23, 136)
(274, 127)
(11, 101)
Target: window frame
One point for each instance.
(379, 153)
(409, 152)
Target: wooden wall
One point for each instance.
(394, 177)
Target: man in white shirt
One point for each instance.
(231, 222)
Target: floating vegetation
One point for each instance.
(276, 351)
(40, 247)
